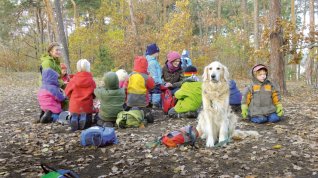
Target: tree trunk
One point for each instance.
(76, 21)
(133, 23)
(245, 17)
(312, 40)
(256, 32)
(62, 36)
(277, 67)
(218, 27)
(294, 41)
(52, 23)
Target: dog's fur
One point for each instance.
(216, 122)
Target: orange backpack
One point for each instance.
(186, 135)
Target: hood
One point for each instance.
(141, 64)
(232, 84)
(50, 77)
(83, 79)
(48, 57)
(111, 81)
(256, 68)
(185, 53)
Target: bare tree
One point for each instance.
(61, 35)
(276, 41)
(256, 32)
(133, 23)
(310, 62)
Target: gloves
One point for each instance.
(244, 109)
(279, 110)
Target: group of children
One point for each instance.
(142, 89)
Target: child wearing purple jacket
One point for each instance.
(50, 96)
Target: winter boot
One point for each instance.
(74, 122)
(46, 117)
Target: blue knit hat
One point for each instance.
(152, 49)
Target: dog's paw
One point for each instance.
(209, 142)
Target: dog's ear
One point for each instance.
(205, 74)
(226, 74)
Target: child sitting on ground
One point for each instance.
(172, 72)
(112, 99)
(80, 91)
(50, 96)
(189, 96)
(235, 97)
(138, 86)
(65, 76)
(261, 99)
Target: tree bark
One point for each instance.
(218, 27)
(62, 36)
(133, 23)
(52, 23)
(277, 67)
(75, 14)
(256, 32)
(312, 40)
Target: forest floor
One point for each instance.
(285, 149)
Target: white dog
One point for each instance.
(216, 122)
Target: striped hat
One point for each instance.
(190, 70)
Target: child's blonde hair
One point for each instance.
(121, 74)
(83, 65)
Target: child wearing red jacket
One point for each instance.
(80, 91)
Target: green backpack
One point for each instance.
(132, 118)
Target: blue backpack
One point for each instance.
(98, 136)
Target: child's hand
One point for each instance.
(244, 109)
(279, 110)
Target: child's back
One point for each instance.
(111, 97)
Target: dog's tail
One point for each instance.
(240, 134)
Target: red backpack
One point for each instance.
(168, 100)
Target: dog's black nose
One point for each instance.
(213, 76)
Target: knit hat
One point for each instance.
(83, 65)
(63, 66)
(173, 55)
(51, 46)
(152, 49)
(190, 70)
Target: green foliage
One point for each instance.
(177, 33)
(104, 63)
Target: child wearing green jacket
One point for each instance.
(188, 97)
(111, 99)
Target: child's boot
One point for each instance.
(74, 122)
(46, 117)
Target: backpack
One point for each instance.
(186, 135)
(53, 173)
(80, 121)
(98, 136)
(168, 100)
(131, 118)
